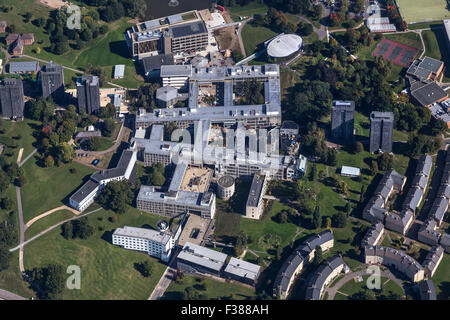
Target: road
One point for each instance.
(241, 43)
(163, 284)
(6, 295)
(110, 149)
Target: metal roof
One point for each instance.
(351, 171)
(243, 269)
(284, 45)
(119, 71)
(23, 66)
(202, 256)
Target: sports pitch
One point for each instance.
(414, 11)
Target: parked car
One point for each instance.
(87, 154)
(95, 162)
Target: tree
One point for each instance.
(328, 223)
(67, 230)
(358, 147)
(49, 161)
(65, 153)
(318, 256)
(145, 268)
(136, 8)
(21, 180)
(385, 161)
(116, 196)
(340, 220)
(108, 127)
(7, 203)
(5, 256)
(282, 217)
(94, 143)
(316, 218)
(373, 168)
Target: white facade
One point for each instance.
(156, 243)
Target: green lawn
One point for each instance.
(411, 39)
(109, 51)
(258, 230)
(107, 271)
(11, 279)
(253, 36)
(441, 278)
(248, 10)
(214, 289)
(435, 43)
(48, 221)
(423, 10)
(48, 188)
(21, 132)
(353, 287)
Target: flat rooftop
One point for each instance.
(202, 256)
(194, 230)
(142, 233)
(256, 190)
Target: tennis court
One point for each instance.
(396, 52)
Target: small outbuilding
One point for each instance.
(350, 171)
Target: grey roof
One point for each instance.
(151, 24)
(177, 177)
(413, 197)
(23, 66)
(181, 197)
(396, 256)
(256, 190)
(119, 71)
(226, 181)
(202, 256)
(422, 69)
(317, 280)
(142, 233)
(188, 29)
(84, 191)
(350, 171)
(445, 241)
(243, 269)
(439, 208)
(299, 256)
(288, 124)
(118, 171)
(176, 70)
(157, 133)
(427, 290)
(166, 93)
(372, 234)
(428, 234)
(88, 79)
(429, 93)
(174, 18)
(433, 258)
(156, 62)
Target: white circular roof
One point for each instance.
(284, 45)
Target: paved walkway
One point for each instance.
(22, 244)
(163, 284)
(22, 229)
(19, 156)
(350, 276)
(27, 158)
(64, 207)
(6, 295)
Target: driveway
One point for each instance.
(6, 295)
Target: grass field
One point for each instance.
(48, 188)
(387, 286)
(11, 279)
(441, 278)
(247, 11)
(253, 36)
(21, 132)
(214, 289)
(47, 222)
(423, 10)
(107, 271)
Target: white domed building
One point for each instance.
(284, 46)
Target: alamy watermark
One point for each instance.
(74, 18)
(74, 280)
(374, 280)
